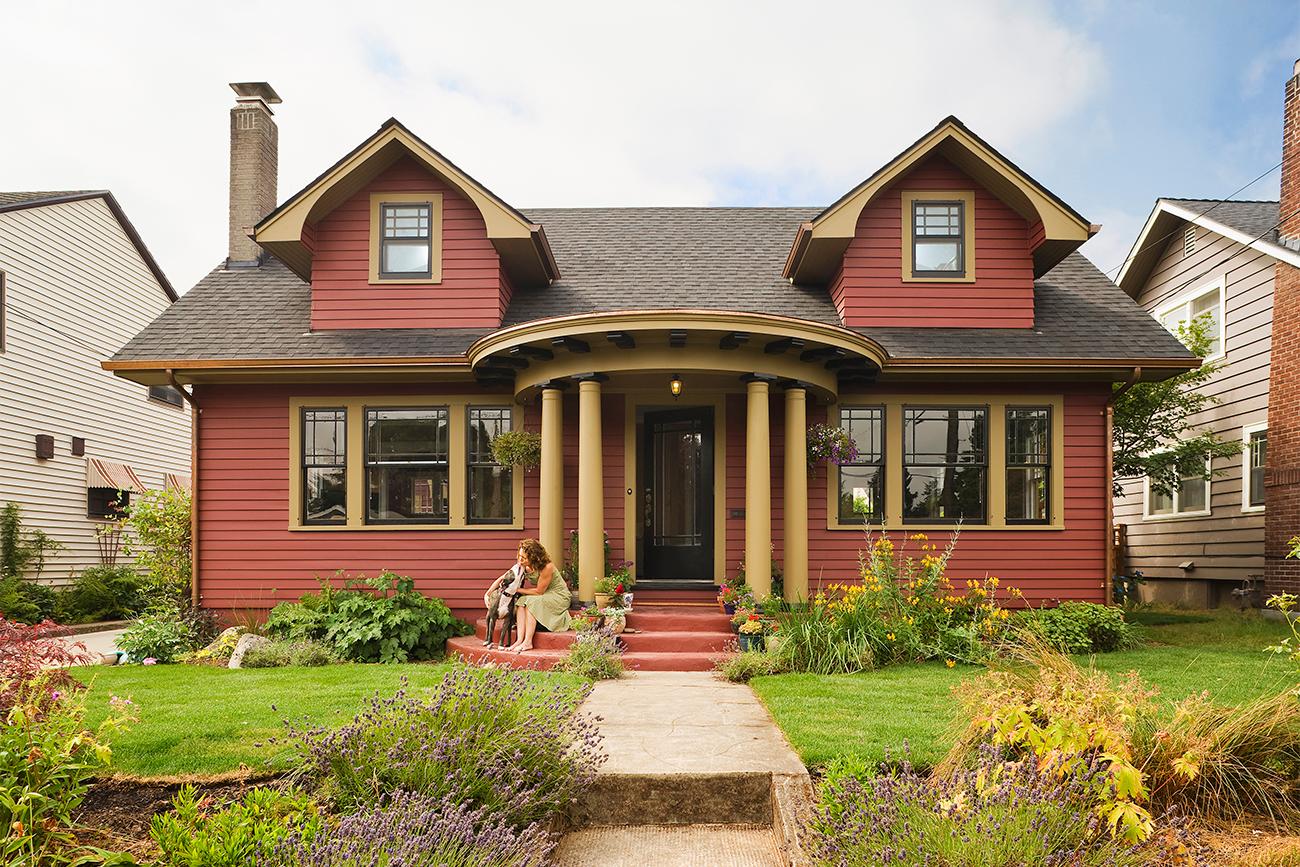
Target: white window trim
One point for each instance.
(1176, 515)
(1246, 431)
(1220, 283)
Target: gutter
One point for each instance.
(195, 414)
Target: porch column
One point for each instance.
(550, 518)
(591, 484)
(758, 492)
(796, 494)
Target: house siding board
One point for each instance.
(472, 293)
(1228, 544)
(66, 264)
(869, 291)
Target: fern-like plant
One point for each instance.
(517, 447)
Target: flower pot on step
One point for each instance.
(728, 608)
(751, 642)
(602, 600)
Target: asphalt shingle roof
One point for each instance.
(1255, 218)
(23, 198)
(647, 258)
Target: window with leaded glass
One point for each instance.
(945, 464)
(1029, 465)
(938, 239)
(491, 485)
(406, 465)
(862, 482)
(324, 466)
(406, 240)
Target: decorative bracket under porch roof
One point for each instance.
(525, 253)
(819, 244)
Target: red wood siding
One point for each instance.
(472, 293)
(869, 289)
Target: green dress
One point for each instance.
(551, 607)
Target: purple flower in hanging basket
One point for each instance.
(830, 444)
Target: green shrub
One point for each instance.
(744, 667)
(383, 619)
(22, 550)
(102, 593)
(594, 655)
(279, 654)
(161, 635)
(159, 542)
(1079, 627)
(26, 601)
(244, 832)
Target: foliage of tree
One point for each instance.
(22, 550)
(160, 542)
(1153, 433)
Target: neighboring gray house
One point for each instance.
(1197, 257)
(76, 283)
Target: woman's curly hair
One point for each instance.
(535, 554)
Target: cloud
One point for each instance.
(548, 104)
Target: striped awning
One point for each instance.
(176, 481)
(106, 474)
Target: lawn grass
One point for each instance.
(866, 717)
(203, 720)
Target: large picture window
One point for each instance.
(945, 464)
(407, 465)
(1029, 465)
(490, 485)
(862, 482)
(324, 466)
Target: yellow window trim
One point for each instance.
(967, 198)
(997, 461)
(434, 200)
(457, 468)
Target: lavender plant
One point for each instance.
(411, 830)
(595, 655)
(507, 741)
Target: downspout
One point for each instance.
(1110, 483)
(194, 485)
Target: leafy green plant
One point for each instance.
(102, 593)
(22, 550)
(279, 654)
(1079, 627)
(517, 448)
(26, 601)
(743, 667)
(160, 542)
(594, 655)
(158, 635)
(247, 831)
(382, 619)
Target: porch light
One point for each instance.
(675, 386)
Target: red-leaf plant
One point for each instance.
(34, 664)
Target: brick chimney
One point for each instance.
(254, 159)
(1282, 473)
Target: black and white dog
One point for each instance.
(501, 605)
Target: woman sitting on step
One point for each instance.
(544, 607)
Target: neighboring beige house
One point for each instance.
(1197, 257)
(76, 283)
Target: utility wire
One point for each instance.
(1170, 234)
(1232, 253)
(66, 336)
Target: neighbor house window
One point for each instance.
(1254, 459)
(166, 394)
(945, 464)
(406, 465)
(938, 239)
(406, 240)
(1205, 304)
(862, 482)
(1029, 465)
(324, 466)
(491, 485)
(1191, 496)
(106, 504)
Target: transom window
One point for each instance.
(405, 244)
(1255, 459)
(407, 465)
(945, 464)
(938, 232)
(862, 482)
(1204, 302)
(1029, 465)
(491, 485)
(324, 466)
(1190, 497)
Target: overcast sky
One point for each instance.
(1109, 104)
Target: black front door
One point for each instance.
(677, 494)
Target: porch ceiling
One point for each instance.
(736, 345)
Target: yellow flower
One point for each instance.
(918, 537)
(890, 636)
(951, 664)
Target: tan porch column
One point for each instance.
(550, 519)
(758, 493)
(591, 483)
(796, 494)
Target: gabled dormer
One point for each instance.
(395, 235)
(949, 233)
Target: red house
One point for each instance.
(351, 359)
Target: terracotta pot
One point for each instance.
(602, 600)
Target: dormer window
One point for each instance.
(406, 237)
(938, 238)
(405, 245)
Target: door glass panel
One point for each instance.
(677, 466)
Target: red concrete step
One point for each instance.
(544, 640)
(665, 619)
(677, 642)
(670, 661)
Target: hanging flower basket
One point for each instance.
(517, 448)
(830, 444)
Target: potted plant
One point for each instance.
(736, 596)
(517, 448)
(751, 633)
(828, 443)
(609, 589)
(738, 618)
(615, 619)
(622, 571)
(587, 619)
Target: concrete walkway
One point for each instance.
(698, 774)
(97, 643)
